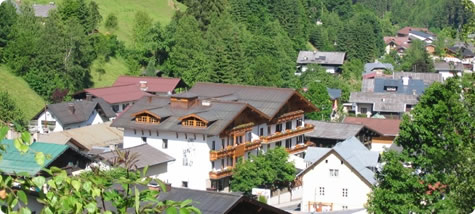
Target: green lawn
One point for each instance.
(27, 100)
(114, 68)
(159, 10)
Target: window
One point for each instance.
(278, 127)
(364, 110)
(164, 143)
(222, 143)
(390, 88)
(192, 121)
(268, 130)
(344, 207)
(213, 145)
(144, 139)
(334, 172)
(249, 137)
(326, 161)
(299, 139)
(288, 125)
(135, 131)
(184, 183)
(146, 118)
(222, 163)
(158, 134)
(261, 132)
(299, 122)
(342, 162)
(288, 143)
(322, 190)
(176, 135)
(278, 143)
(149, 133)
(268, 146)
(345, 192)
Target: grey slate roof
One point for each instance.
(445, 66)
(268, 100)
(369, 67)
(367, 85)
(147, 156)
(416, 86)
(384, 102)
(353, 152)
(334, 93)
(422, 34)
(106, 107)
(428, 78)
(82, 111)
(219, 113)
(42, 10)
(329, 130)
(320, 57)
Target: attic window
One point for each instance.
(145, 117)
(194, 122)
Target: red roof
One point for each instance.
(154, 84)
(406, 30)
(385, 127)
(118, 94)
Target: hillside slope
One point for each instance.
(27, 100)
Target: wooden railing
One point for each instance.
(287, 134)
(254, 145)
(298, 148)
(228, 171)
(217, 154)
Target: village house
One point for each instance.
(68, 115)
(389, 105)
(402, 41)
(42, 10)
(210, 127)
(405, 85)
(375, 69)
(86, 138)
(462, 53)
(449, 69)
(328, 134)
(127, 89)
(383, 131)
(427, 78)
(338, 178)
(335, 95)
(61, 156)
(330, 61)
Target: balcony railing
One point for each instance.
(228, 171)
(253, 145)
(217, 154)
(287, 134)
(298, 148)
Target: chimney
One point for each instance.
(143, 85)
(88, 97)
(149, 98)
(414, 92)
(405, 80)
(71, 108)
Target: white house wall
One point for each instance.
(333, 186)
(46, 115)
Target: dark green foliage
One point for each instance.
(86, 15)
(417, 59)
(438, 143)
(269, 170)
(8, 16)
(317, 94)
(111, 22)
(292, 17)
(205, 10)
(319, 38)
(9, 112)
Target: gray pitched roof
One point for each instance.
(334, 93)
(106, 107)
(445, 66)
(353, 152)
(428, 78)
(147, 156)
(422, 34)
(416, 86)
(329, 130)
(42, 10)
(218, 113)
(82, 111)
(368, 67)
(320, 57)
(384, 102)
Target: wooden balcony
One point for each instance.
(298, 148)
(253, 145)
(228, 171)
(217, 154)
(287, 134)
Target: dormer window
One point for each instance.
(193, 121)
(146, 117)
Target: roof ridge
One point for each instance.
(136, 77)
(245, 86)
(112, 86)
(210, 192)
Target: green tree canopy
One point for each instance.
(9, 112)
(417, 59)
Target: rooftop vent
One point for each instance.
(71, 108)
(143, 85)
(206, 103)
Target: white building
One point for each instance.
(338, 178)
(69, 115)
(210, 127)
(330, 61)
(449, 69)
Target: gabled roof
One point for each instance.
(268, 100)
(82, 110)
(15, 162)
(334, 93)
(86, 137)
(384, 102)
(147, 156)
(412, 86)
(353, 152)
(154, 84)
(106, 107)
(369, 67)
(422, 34)
(406, 30)
(42, 10)
(219, 203)
(330, 130)
(445, 66)
(400, 42)
(428, 78)
(320, 57)
(384, 127)
(118, 94)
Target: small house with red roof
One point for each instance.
(386, 130)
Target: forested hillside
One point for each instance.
(252, 42)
